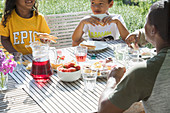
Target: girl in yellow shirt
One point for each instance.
(19, 25)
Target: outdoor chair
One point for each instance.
(63, 26)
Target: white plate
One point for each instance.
(99, 44)
(149, 53)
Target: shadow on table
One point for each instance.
(3, 103)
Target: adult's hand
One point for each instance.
(133, 38)
(117, 73)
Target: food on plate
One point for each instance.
(110, 66)
(90, 47)
(69, 67)
(55, 66)
(46, 35)
(87, 68)
(109, 59)
(102, 67)
(29, 66)
(26, 62)
(60, 60)
(97, 65)
(146, 54)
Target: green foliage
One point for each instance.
(1, 8)
(63, 6)
(134, 16)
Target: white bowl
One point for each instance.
(68, 76)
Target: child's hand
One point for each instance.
(109, 19)
(45, 40)
(91, 20)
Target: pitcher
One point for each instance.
(41, 69)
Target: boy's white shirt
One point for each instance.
(99, 32)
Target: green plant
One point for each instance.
(63, 6)
(134, 16)
(1, 8)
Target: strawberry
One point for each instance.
(62, 69)
(71, 64)
(66, 70)
(72, 69)
(66, 65)
(77, 67)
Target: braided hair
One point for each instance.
(159, 16)
(10, 5)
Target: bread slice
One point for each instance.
(90, 47)
(45, 35)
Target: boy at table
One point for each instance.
(109, 28)
(149, 81)
(19, 25)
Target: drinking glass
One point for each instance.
(133, 53)
(89, 80)
(81, 53)
(121, 53)
(18, 59)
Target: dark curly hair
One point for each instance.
(159, 16)
(10, 5)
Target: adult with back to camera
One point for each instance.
(149, 81)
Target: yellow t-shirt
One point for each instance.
(22, 31)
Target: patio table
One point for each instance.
(56, 96)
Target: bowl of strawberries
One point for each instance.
(69, 72)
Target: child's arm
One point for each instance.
(7, 44)
(122, 29)
(77, 35)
